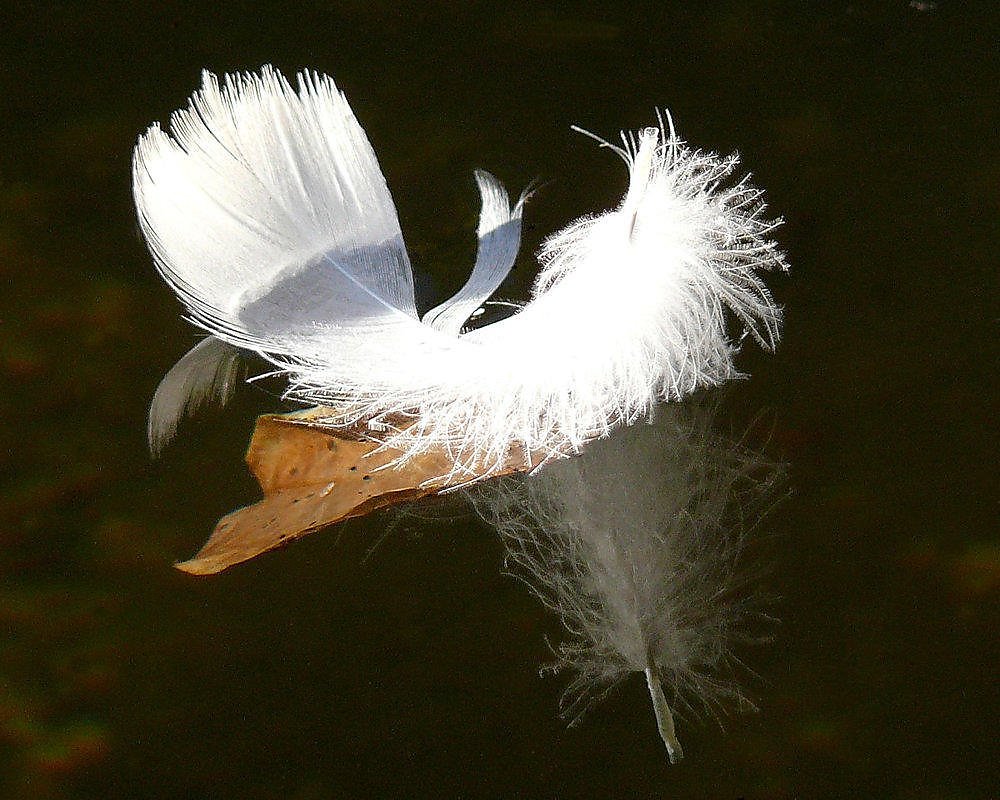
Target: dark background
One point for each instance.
(314, 672)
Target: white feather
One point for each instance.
(266, 211)
(635, 545)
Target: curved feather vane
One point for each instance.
(499, 239)
(266, 211)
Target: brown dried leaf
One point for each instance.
(312, 477)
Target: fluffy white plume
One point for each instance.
(265, 209)
(635, 544)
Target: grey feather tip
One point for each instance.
(206, 374)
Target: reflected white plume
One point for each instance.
(635, 545)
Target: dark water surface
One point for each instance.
(314, 672)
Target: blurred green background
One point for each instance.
(315, 672)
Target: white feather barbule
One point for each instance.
(266, 211)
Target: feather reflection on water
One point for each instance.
(636, 545)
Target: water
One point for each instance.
(314, 672)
